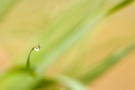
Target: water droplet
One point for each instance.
(37, 47)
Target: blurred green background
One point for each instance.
(25, 21)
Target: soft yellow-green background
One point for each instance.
(29, 18)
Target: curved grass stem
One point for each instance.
(28, 65)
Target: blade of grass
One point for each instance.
(55, 44)
(116, 8)
(5, 7)
(62, 81)
(71, 83)
(78, 63)
(65, 44)
(106, 63)
(67, 23)
(68, 40)
(120, 6)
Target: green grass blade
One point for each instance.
(119, 6)
(106, 63)
(60, 45)
(111, 11)
(71, 83)
(5, 7)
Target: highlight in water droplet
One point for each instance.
(37, 47)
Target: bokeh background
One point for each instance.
(28, 19)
